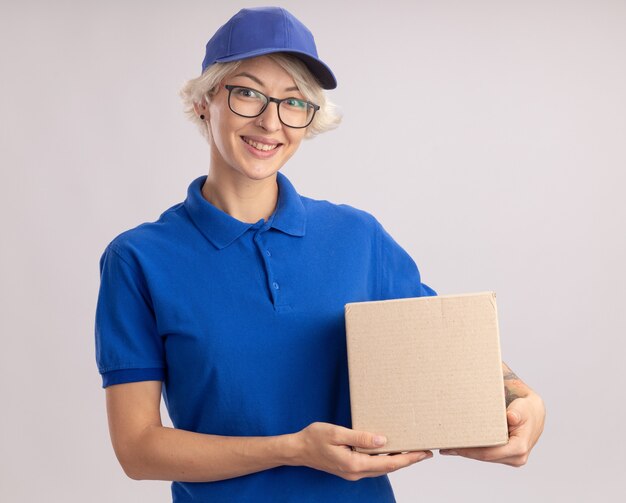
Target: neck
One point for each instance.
(242, 198)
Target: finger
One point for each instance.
(480, 453)
(514, 417)
(417, 453)
(399, 461)
(511, 450)
(373, 474)
(411, 457)
(511, 461)
(363, 439)
(386, 464)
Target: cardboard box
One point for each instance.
(426, 372)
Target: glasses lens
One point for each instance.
(296, 113)
(293, 112)
(245, 101)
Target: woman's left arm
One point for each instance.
(525, 415)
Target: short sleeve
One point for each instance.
(399, 276)
(128, 346)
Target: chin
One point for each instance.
(260, 174)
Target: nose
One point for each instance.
(269, 118)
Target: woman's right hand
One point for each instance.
(326, 447)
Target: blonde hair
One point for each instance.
(205, 86)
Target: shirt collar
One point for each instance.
(221, 229)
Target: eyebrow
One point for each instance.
(246, 74)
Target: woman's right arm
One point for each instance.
(147, 450)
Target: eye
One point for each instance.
(244, 92)
(296, 103)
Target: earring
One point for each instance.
(202, 116)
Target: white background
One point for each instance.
(487, 136)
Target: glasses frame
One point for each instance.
(270, 99)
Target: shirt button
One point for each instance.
(268, 253)
(275, 285)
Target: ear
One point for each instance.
(201, 109)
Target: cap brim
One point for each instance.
(320, 71)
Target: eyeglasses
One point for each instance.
(292, 112)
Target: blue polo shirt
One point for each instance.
(244, 324)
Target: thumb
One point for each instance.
(364, 439)
(514, 418)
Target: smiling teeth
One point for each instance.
(259, 146)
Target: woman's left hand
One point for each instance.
(525, 417)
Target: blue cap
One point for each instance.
(263, 30)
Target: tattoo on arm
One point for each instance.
(509, 395)
(514, 387)
(510, 375)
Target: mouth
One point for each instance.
(261, 147)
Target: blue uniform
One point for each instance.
(244, 324)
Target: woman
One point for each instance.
(231, 303)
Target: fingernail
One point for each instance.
(378, 440)
(449, 453)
